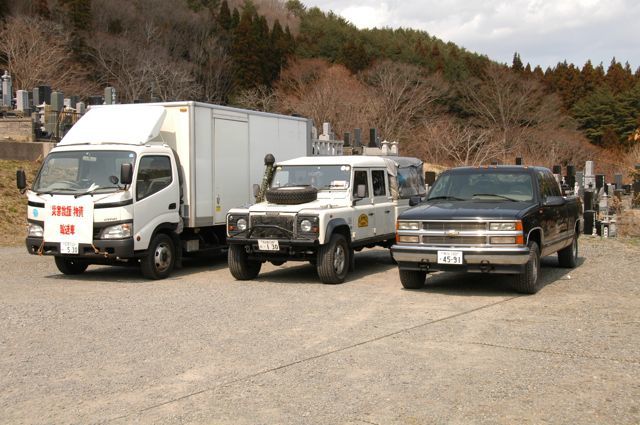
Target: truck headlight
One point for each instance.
(506, 226)
(119, 231)
(308, 224)
(408, 225)
(35, 230)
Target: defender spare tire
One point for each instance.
(292, 195)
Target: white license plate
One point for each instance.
(449, 257)
(68, 247)
(268, 245)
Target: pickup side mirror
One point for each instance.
(126, 173)
(554, 201)
(415, 200)
(21, 179)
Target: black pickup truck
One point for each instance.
(498, 219)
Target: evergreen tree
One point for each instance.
(235, 18)
(354, 56)
(4, 9)
(279, 49)
(618, 79)
(40, 8)
(516, 64)
(224, 16)
(79, 13)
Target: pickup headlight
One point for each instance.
(308, 225)
(35, 230)
(506, 226)
(119, 231)
(237, 223)
(408, 225)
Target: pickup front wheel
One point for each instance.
(528, 281)
(240, 266)
(333, 260)
(412, 279)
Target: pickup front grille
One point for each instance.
(459, 226)
(273, 225)
(455, 240)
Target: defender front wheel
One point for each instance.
(334, 260)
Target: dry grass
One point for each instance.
(629, 223)
(13, 205)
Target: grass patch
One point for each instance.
(13, 205)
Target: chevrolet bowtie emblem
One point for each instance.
(452, 233)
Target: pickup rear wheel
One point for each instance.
(568, 257)
(334, 260)
(160, 258)
(71, 265)
(240, 266)
(412, 279)
(528, 281)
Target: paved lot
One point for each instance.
(110, 347)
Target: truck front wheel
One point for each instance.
(333, 260)
(161, 257)
(528, 282)
(240, 266)
(71, 265)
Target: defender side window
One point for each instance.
(360, 178)
(154, 174)
(378, 180)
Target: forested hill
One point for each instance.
(439, 100)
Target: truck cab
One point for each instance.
(321, 210)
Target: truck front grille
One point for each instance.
(459, 226)
(267, 226)
(456, 240)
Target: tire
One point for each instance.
(240, 266)
(333, 260)
(528, 282)
(291, 195)
(160, 258)
(70, 266)
(568, 257)
(412, 279)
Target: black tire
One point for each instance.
(160, 258)
(412, 279)
(568, 257)
(240, 266)
(528, 282)
(291, 195)
(333, 260)
(71, 265)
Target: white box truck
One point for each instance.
(148, 183)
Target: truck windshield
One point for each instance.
(76, 172)
(322, 177)
(483, 185)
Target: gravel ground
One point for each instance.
(111, 347)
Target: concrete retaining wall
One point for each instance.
(24, 151)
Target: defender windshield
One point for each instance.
(483, 185)
(322, 177)
(76, 172)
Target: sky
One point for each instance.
(543, 32)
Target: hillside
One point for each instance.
(438, 100)
(14, 205)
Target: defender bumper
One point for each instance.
(475, 259)
(116, 248)
(290, 249)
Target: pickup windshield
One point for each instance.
(483, 185)
(322, 177)
(78, 172)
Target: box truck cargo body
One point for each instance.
(149, 182)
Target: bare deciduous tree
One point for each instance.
(260, 99)
(37, 52)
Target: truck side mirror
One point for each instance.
(415, 200)
(21, 179)
(554, 201)
(126, 173)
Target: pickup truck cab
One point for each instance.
(499, 219)
(321, 210)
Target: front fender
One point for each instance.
(332, 225)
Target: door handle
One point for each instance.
(172, 206)
(370, 214)
(387, 211)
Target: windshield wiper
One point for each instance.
(92, 191)
(496, 195)
(455, 198)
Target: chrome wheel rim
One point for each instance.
(339, 259)
(162, 257)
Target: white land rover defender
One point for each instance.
(321, 210)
